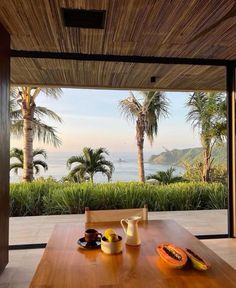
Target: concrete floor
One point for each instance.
(36, 229)
(22, 263)
(21, 267)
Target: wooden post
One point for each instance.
(4, 144)
(230, 81)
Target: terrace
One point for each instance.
(192, 49)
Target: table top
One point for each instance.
(65, 265)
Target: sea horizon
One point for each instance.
(125, 164)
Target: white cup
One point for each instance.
(111, 247)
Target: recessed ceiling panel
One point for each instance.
(81, 18)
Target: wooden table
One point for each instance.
(64, 265)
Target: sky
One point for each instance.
(93, 118)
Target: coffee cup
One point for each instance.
(92, 235)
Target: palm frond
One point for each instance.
(108, 164)
(77, 176)
(40, 163)
(79, 169)
(130, 107)
(206, 110)
(90, 162)
(87, 154)
(165, 177)
(74, 159)
(35, 92)
(155, 106)
(105, 171)
(28, 95)
(14, 107)
(43, 111)
(17, 153)
(45, 133)
(15, 167)
(197, 104)
(17, 128)
(39, 151)
(52, 92)
(14, 92)
(36, 169)
(16, 115)
(100, 151)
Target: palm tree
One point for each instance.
(165, 177)
(78, 177)
(89, 163)
(208, 114)
(26, 121)
(147, 114)
(18, 154)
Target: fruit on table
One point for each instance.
(172, 255)
(111, 235)
(197, 262)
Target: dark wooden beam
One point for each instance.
(120, 58)
(230, 84)
(212, 236)
(27, 246)
(4, 144)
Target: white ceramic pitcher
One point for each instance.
(131, 230)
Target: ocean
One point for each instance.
(125, 168)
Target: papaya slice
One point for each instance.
(197, 262)
(173, 255)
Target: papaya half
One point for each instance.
(172, 255)
(197, 262)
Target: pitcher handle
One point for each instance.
(123, 226)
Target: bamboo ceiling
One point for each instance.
(163, 28)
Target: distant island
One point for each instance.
(177, 157)
(121, 160)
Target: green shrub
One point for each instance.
(193, 172)
(27, 198)
(67, 198)
(50, 197)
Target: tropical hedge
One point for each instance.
(50, 197)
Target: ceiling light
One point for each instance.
(153, 79)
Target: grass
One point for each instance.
(49, 197)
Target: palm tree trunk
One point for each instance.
(28, 115)
(91, 177)
(140, 128)
(141, 174)
(206, 166)
(206, 161)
